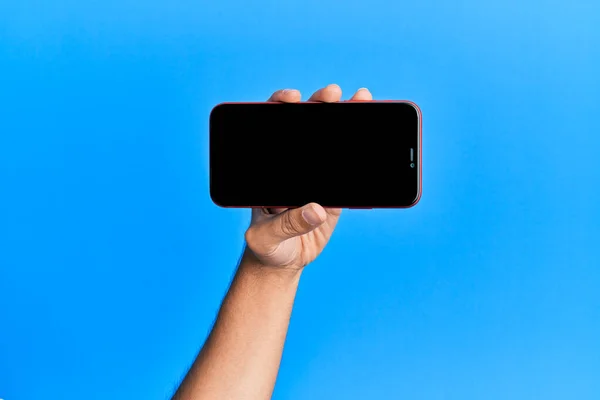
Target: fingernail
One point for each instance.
(311, 216)
(362, 88)
(286, 91)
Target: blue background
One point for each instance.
(113, 261)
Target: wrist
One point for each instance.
(282, 274)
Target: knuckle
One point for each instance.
(250, 237)
(258, 243)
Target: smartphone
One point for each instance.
(349, 154)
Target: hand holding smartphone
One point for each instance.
(346, 154)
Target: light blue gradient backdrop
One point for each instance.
(113, 260)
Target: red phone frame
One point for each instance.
(419, 141)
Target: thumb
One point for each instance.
(295, 222)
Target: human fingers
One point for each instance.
(262, 213)
(259, 214)
(362, 94)
(276, 211)
(334, 212)
(328, 94)
(286, 96)
(292, 223)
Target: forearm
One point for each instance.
(241, 357)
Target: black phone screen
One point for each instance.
(346, 154)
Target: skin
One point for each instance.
(241, 357)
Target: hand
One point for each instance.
(292, 238)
